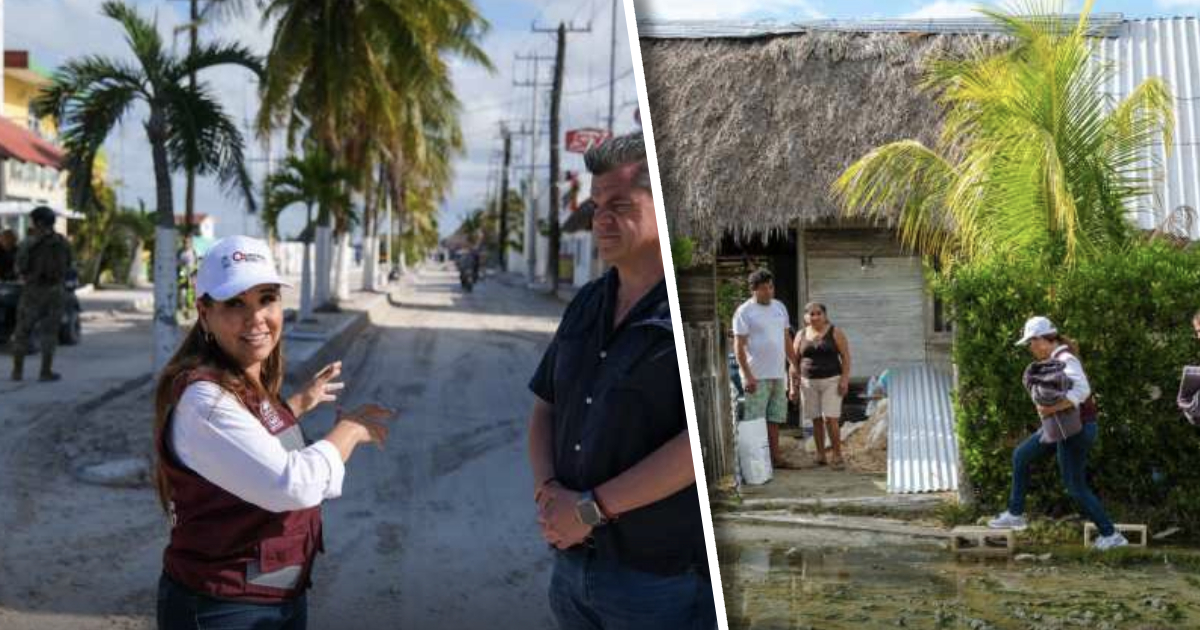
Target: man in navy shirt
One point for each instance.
(608, 443)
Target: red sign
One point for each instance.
(580, 140)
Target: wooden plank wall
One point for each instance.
(706, 352)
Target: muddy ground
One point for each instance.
(794, 578)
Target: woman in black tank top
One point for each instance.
(823, 375)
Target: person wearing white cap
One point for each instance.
(1045, 342)
(240, 482)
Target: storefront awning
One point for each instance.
(21, 144)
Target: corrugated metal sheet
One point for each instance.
(1168, 48)
(1102, 24)
(922, 446)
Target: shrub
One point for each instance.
(1131, 313)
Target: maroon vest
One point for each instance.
(228, 548)
(1088, 411)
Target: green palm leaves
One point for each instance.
(1033, 157)
(186, 126)
(312, 180)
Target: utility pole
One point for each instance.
(503, 238)
(612, 69)
(560, 58)
(531, 231)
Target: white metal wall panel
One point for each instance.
(652, 28)
(922, 446)
(1168, 48)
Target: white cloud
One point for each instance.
(726, 9)
(57, 30)
(489, 99)
(1178, 4)
(945, 9)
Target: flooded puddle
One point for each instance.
(779, 578)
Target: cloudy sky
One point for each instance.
(57, 30)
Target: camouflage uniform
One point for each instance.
(43, 262)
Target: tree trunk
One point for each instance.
(370, 229)
(341, 274)
(137, 271)
(306, 296)
(166, 274)
(324, 261)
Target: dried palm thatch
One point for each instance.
(751, 133)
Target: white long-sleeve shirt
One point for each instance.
(219, 439)
(1080, 388)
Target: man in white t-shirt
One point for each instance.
(763, 345)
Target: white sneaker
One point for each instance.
(1008, 521)
(1112, 541)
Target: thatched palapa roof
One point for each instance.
(750, 133)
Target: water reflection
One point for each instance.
(774, 585)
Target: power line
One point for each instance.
(600, 86)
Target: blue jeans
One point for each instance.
(180, 608)
(592, 593)
(1072, 464)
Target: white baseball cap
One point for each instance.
(235, 264)
(1036, 327)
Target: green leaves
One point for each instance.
(1033, 160)
(1130, 310)
(90, 95)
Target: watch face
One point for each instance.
(590, 513)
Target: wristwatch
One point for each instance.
(589, 511)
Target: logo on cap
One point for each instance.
(240, 257)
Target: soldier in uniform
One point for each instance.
(43, 261)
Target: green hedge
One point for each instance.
(1131, 314)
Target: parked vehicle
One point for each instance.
(70, 330)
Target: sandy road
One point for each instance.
(435, 530)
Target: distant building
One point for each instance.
(579, 248)
(31, 172)
(205, 224)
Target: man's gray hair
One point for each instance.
(618, 152)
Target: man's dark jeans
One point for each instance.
(592, 593)
(1072, 464)
(180, 608)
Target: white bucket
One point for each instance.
(754, 452)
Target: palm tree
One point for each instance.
(186, 127)
(311, 180)
(210, 10)
(343, 69)
(1033, 155)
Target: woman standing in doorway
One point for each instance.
(1045, 343)
(824, 378)
(235, 474)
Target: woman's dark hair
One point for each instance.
(811, 305)
(760, 276)
(1196, 317)
(1059, 338)
(197, 351)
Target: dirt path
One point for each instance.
(437, 530)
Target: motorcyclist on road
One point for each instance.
(43, 261)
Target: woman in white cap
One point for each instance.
(235, 474)
(1045, 342)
